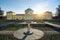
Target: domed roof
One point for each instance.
(48, 12)
(10, 12)
(28, 9)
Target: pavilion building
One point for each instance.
(29, 15)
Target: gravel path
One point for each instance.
(6, 24)
(55, 25)
(45, 32)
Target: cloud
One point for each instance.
(38, 8)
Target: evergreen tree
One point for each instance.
(1, 14)
(58, 11)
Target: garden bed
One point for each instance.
(46, 37)
(13, 27)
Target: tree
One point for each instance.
(1, 14)
(58, 11)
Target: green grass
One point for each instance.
(6, 37)
(42, 27)
(18, 26)
(51, 37)
(55, 23)
(13, 27)
(2, 22)
(46, 37)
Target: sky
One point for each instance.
(19, 6)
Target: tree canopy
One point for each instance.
(58, 11)
(1, 12)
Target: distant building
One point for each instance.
(29, 15)
(48, 15)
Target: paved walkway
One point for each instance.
(45, 32)
(34, 34)
(6, 24)
(51, 32)
(55, 25)
(6, 32)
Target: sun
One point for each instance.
(40, 8)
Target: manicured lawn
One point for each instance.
(42, 27)
(58, 23)
(18, 26)
(2, 22)
(12, 27)
(54, 21)
(46, 37)
(51, 37)
(6, 37)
